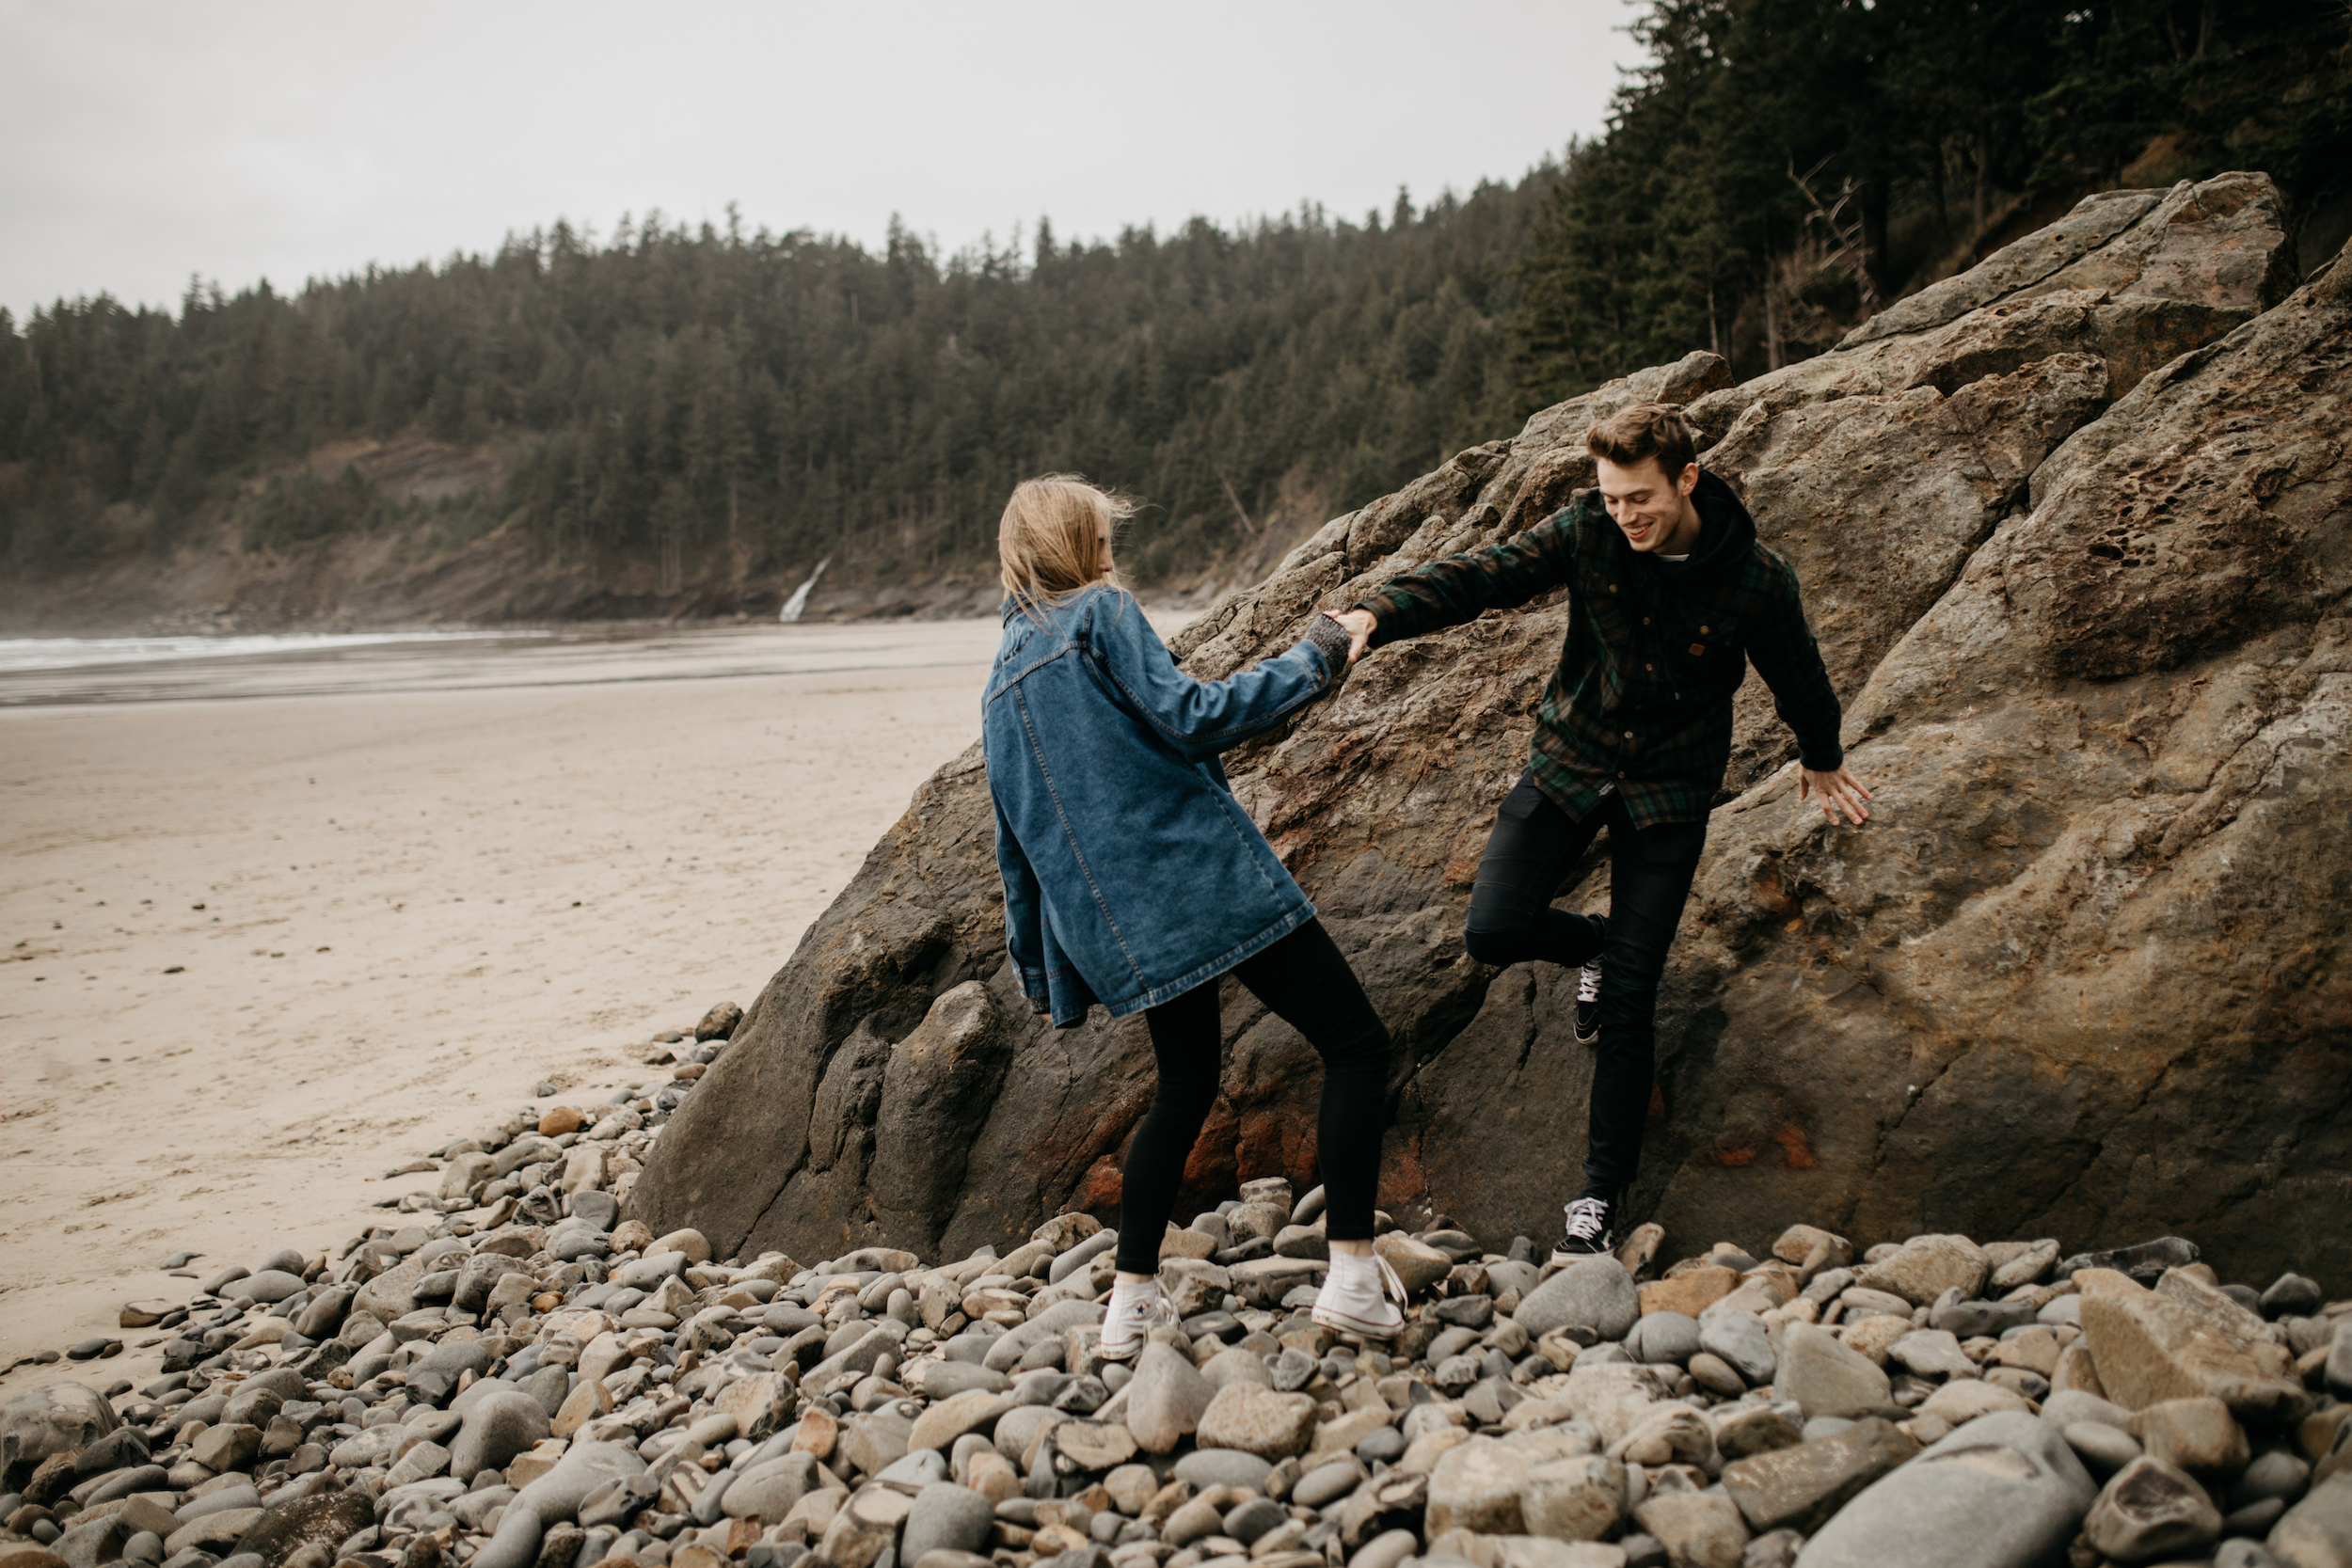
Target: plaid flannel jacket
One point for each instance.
(1641, 701)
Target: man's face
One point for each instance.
(1647, 504)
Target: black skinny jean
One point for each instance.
(1512, 919)
(1304, 980)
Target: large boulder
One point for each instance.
(54, 1418)
(2002, 1490)
(2075, 529)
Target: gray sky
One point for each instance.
(141, 142)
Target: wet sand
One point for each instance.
(310, 917)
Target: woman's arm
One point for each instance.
(1024, 914)
(1203, 718)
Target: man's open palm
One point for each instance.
(1839, 791)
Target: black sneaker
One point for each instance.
(1591, 1230)
(1588, 995)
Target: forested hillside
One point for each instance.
(1779, 169)
(670, 420)
(669, 392)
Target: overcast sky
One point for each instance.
(144, 142)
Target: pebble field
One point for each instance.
(508, 1375)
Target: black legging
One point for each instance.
(1304, 980)
(1512, 921)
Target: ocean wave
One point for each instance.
(21, 654)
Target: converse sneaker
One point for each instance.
(1361, 1296)
(1591, 1229)
(1588, 995)
(1135, 1312)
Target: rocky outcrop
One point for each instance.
(2076, 528)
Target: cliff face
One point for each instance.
(2077, 529)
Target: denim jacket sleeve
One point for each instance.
(1198, 717)
(1024, 914)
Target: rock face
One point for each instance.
(2077, 529)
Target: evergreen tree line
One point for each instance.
(1777, 169)
(704, 403)
(685, 396)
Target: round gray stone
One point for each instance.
(516, 1543)
(578, 1241)
(921, 1468)
(2104, 1449)
(1741, 1340)
(1662, 1337)
(2276, 1474)
(556, 1495)
(269, 1285)
(1826, 1376)
(1328, 1483)
(940, 1380)
(945, 1517)
(1250, 1520)
(768, 1490)
(1595, 1294)
(495, 1429)
(1207, 1467)
(1385, 1550)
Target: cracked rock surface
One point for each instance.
(2076, 528)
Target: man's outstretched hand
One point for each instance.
(1838, 791)
(1358, 625)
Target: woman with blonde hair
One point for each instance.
(1134, 880)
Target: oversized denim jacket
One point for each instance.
(1130, 873)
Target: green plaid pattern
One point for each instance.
(1642, 697)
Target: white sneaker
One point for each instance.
(1361, 1296)
(1135, 1312)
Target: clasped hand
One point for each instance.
(1358, 624)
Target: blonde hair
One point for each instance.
(1054, 538)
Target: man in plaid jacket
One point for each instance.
(1671, 596)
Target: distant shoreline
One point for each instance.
(306, 664)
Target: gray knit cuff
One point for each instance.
(1329, 636)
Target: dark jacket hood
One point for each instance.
(1726, 533)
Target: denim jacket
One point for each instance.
(1130, 873)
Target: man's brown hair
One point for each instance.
(1631, 436)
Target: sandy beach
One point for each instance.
(275, 927)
